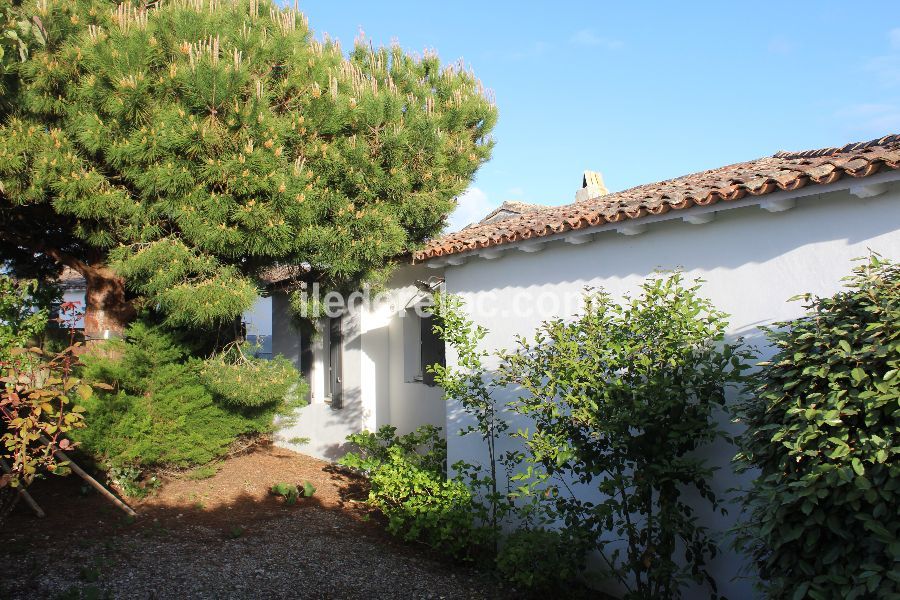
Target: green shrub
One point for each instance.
(238, 380)
(823, 432)
(541, 561)
(131, 481)
(288, 491)
(424, 448)
(162, 410)
(410, 487)
(621, 399)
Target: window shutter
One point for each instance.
(432, 349)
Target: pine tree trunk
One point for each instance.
(107, 310)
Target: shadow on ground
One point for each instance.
(223, 537)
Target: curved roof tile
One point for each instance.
(786, 171)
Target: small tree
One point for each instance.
(468, 383)
(621, 400)
(823, 434)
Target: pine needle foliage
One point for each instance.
(165, 409)
(193, 143)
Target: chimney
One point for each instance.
(591, 187)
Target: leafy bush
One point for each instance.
(163, 412)
(288, 491)
(823, 432)
(131, 481)
(410, 487)
(541, 561)
(38, 409)
(621, 399)
(424, 448)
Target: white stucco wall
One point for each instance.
(752, 261)
(377, 389)
(409, 403)
(318, 429)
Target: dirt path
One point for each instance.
(223, 537)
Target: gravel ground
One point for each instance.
(314, 554)
(223, 537)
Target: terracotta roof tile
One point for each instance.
(508, 209)
(782, 171)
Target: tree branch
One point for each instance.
(63, 258)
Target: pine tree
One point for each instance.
(172, 152)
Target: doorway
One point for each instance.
(335, 367)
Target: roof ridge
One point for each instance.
(851, 147)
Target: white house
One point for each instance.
(757, 232)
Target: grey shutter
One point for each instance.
(431, 348)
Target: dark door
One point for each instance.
(335, 362)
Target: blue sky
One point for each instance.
(644, 93)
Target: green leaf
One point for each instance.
(85, 392)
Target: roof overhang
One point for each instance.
(868, 187)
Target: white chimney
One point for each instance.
(591, 187)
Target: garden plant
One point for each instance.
(40, 399)
(618, 401)
(823, 441)
(180, 155)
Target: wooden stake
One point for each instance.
(23, 493)
(91, 481)
(83, 474)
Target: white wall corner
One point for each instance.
(868, 190)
